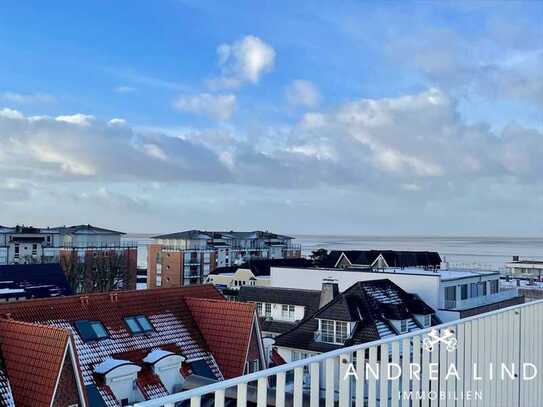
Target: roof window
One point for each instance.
(91, 330)
(138, 324)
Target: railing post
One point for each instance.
(344, 382)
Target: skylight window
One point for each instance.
(138, 324)
(91, 330)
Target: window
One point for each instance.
(138, 324)
(473, 290)
(403, 326)
(450, 293)
(287, 312)
(428, 318)
(267, 309)
(333, 331)
(482, 290)
(493, 286)
(341, 331)
(259, 309)
(91, 330)
(464, 292)
(327, 331)
(34, 249)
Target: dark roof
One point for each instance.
(231, 235)
(394, 258)
(37, 280)
(262, 267)
(276, 295)
(370, 305)
(88, 228)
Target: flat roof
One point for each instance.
(449, 274)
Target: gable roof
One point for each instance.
(227, 329)
(36, 280)
(262, 267)
(393, 258)
(175, 327)
(369, 305)
(33, 356)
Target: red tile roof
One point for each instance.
(33, 356)
(227, 329)
(179, 327)
(150, 385)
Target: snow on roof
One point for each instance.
(109, 364)
(156, 355)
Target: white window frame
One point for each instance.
(334, 336)
(404, 326)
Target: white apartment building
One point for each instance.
(188, 257)
(27, 244)
(453, 293)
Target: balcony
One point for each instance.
(507, 337)
(474, 302)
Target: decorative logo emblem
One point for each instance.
(433, 339)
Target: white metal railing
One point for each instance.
(509, 337)
(481, 300)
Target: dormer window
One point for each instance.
(427, 320)
(287, 312)
(138, 324)
(403, 326)
(333, 331)
(91, 330)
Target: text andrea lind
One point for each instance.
(393, 371)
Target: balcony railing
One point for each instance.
(125, 244)
(482, 300)
(509, 337)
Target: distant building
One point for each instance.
(188, 257)
(366, 311)
(93, 258)
(454, 294)
(27, 281)
(237, 279)
(280, 309)
(381, 259)
(126, 347)
(526, 269)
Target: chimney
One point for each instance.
(330, 290)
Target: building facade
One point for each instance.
(188, 257)
(454, 294)
(93, 258)
(525, 269)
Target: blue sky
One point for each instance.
(317, 117)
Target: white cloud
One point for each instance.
(117, 122)
(11, 114)
(244, 61)
(387, 144)
(302, 93)
(78, 118)
(216, 106)
(124, 89)
(20, 98)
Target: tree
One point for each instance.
(319, 256)
(98, 271)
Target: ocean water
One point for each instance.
(466, 252)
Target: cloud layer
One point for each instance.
(413, 142)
